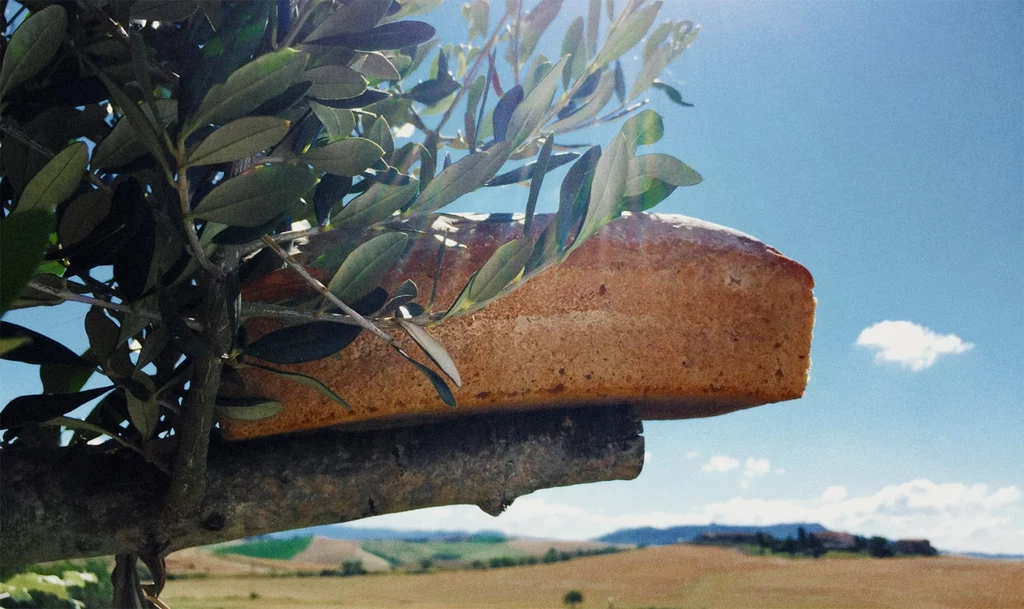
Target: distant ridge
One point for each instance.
(650, 536)
(337, 531)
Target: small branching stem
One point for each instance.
(68, 295)
(322, 289)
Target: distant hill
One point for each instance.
(336, 531)
(649, 536)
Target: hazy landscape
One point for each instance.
(673, 576)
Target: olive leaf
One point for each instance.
(301, 343)
(502, 113)
(573, 46)
(592, 104)
(535, 23)
(308, 382)
(338, 121)
(504, 266)
(140, 123)
(32, 46)
(671, 92)
(29, 409)
(529, 115)
(524, 173)
(376, 65)
(334, 82)
(627, 32)
(607, 189)
(367, 265)
(251, 409)
(465, 176)
(257, 196)
(397, 35)
(574, 194)
(380, 134)
(442, 389)
(56, 181)
(249, 86)
(378, 203)
(123, 146)
(144, 414)
(356, 16)
(642, 129)
(23, 236)
(663, 167)
(239, 139)
(329, 192)
(36, 348)
(348, 157)
(433, 348)
(477, 15)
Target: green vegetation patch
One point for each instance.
(411, 553)
(277, 549)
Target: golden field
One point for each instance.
(677, 577)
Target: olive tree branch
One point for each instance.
(322, 289)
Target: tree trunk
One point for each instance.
(56, 505)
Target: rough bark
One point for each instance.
(60, 506)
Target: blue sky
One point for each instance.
(881, 144)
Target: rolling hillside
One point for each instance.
(670, 577)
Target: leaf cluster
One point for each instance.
(153, 149)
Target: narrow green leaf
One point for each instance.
(141, 124)
(257, 196)
(23, 237)
(433, 348)
(377, 204)
(433, 91)
(663, 167)
(574, 194)
(538, 179)
(607, 190)
(366, 266)
(477, 15)
(38, 349)
(592, 104)
(573, 45)
(334, 82)
(348, 157)
(10, 344)
(357, 16)
(642, 129)
(524, 173)
(627, 33)
(528, 115)
(162, 10)
(380, 134)
(123, 145)
(103, 333)
(307, 382)
(466, 175)
(384, 37)
(239, 139)
(534, 25)
(144, 414)
(29, 409)
(248, 410)
(260, 80)
(620, 82)
(671, 92)
(501, 269)
(338, 121)
(56, 181)
(305, 342)
(376, 65)
(32, 46)
(593, 23)
(442, 389)
(502, 113)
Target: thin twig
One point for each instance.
(190, 227)
(106, 304)
(304, 14)
(322, 289)
(263, 309)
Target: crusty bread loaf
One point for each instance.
(678, 317)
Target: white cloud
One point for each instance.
(909, 345)
(756, 468)
(693, 454)
(954, 516)
(647, 457)
(720, 463)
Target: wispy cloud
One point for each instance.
(756, 468)
(910, 345)
(954, 516)
(720, 463)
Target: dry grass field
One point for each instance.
(677, 577)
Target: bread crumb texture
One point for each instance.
(677, 317)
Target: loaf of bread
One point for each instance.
(677, 317)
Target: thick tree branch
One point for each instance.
(60, 505)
